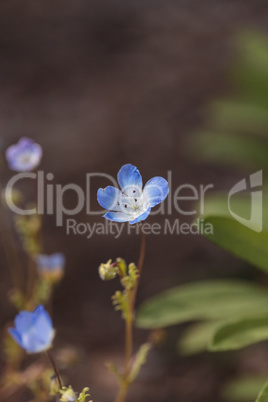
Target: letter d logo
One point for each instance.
(255, 221)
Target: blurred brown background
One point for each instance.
(103, 83)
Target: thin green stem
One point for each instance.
(140, 266)
(122, 393)
(121, 397)
(128, 344)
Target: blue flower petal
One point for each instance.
(32, 344)
(155, 191)
(25, 142)
(16, 336)
(142, 217)
(11, 152)
(34, 331)
(40, 335)
(57, 260)
(130, 180)
(109, 198)
(40, 312)
(117, 216)
(23, 321)
(43, 326)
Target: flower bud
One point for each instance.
(122, 266)
(54, 385)
(68, 395)
(107, 271)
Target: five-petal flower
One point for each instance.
(24, 156)
(132, 204)
(33, 331)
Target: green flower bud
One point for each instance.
(107, 271)
(122, 266)
(68, 395)
(54, 386)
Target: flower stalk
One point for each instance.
(132, 294)
(53, 364)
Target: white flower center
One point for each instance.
(132, 204)
(25, 158)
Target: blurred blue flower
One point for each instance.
(33, 331)
(51, 267)
(24, 156)
(132, 204)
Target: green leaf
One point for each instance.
(240, 117)
(196, 338)
(114, 370)
(207, 300)
(239, 240)
(243, 389)
(263, 395)
(250, 71)
(139, 361)
(239, 334)
(230, 149)
(216, 204)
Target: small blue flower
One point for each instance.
(33, 331)
(132, 204)
(51, 267)
(24, 156)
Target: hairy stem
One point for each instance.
(140, 266)
(128, 344)
(121, 397)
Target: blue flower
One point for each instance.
(132, 204)
(33, 331)
(51, 267)
(24, 156)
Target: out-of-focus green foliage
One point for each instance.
(263, 395)
(239, 240)
(243, 389)
(237, 136)
(195, 339)
(240, 333)
(237, 133)
(208, 300)
(232, 149)
(231, 235)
